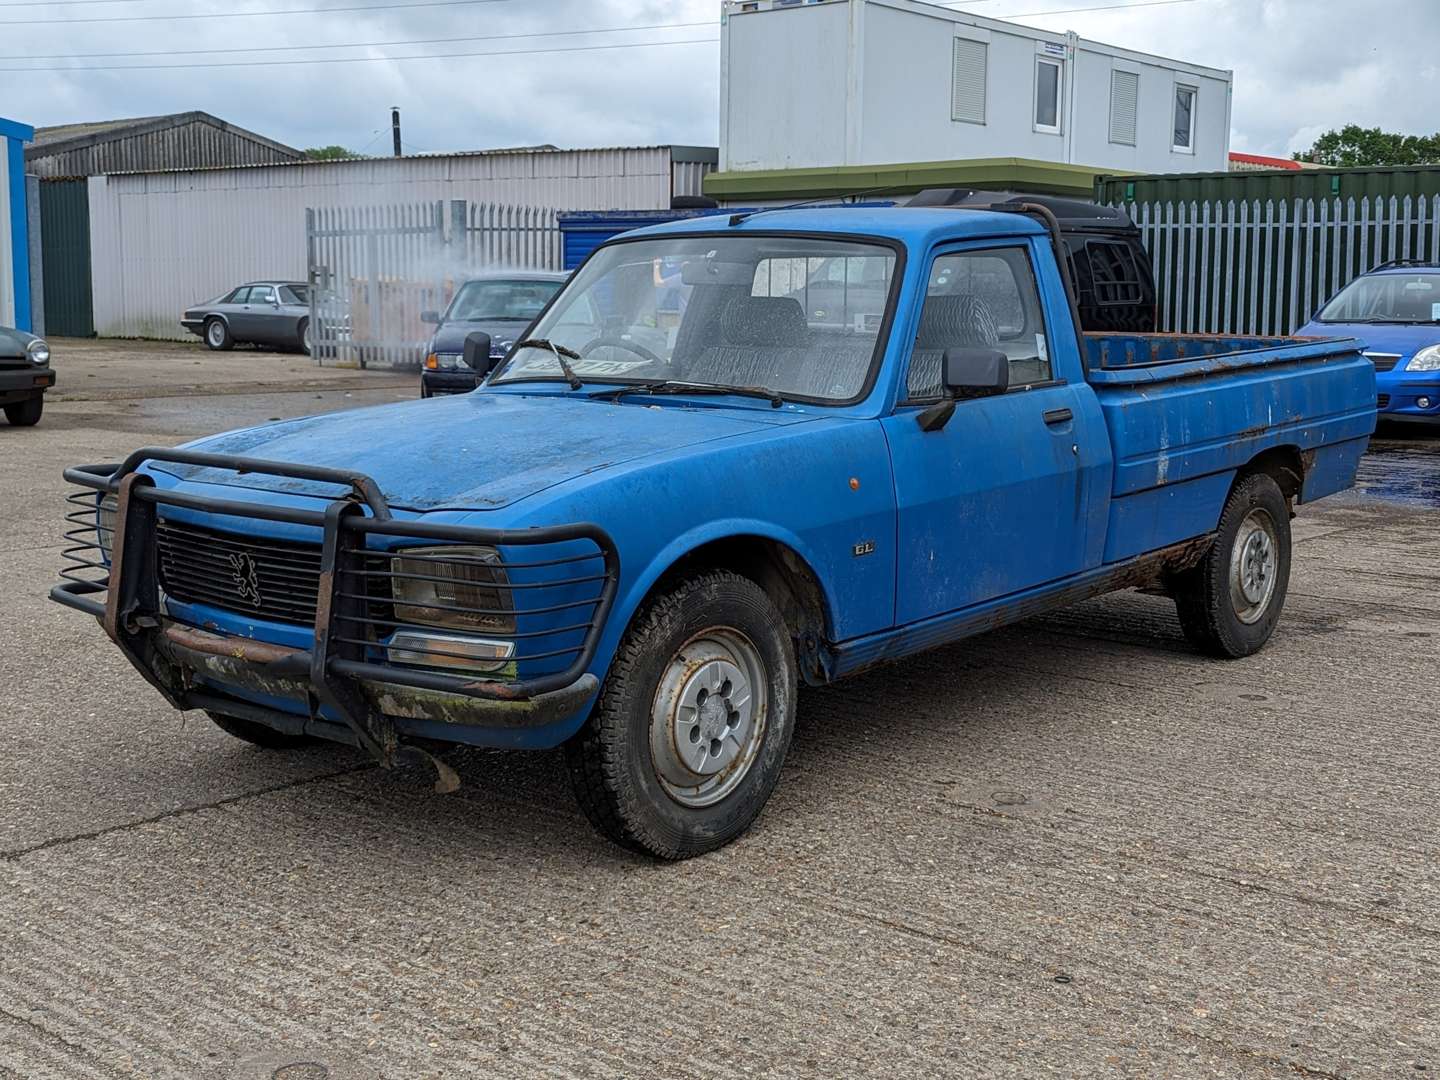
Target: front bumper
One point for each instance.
(17, 384)
(1399, 397)
(342, 686)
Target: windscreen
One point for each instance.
(1387, 298)
(800, 316)
(478, 301)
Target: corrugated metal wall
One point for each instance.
(195, 145)
(65, 258)
(161, 241)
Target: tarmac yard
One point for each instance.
(1070, 848)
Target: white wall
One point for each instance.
(783, 88)
(163, 241)
(795, 74)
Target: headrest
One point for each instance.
(763, 320)
(956, 320)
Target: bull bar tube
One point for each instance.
(336, 666)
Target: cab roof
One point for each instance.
(916, 227)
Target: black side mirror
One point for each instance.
(431, 317)
(477, 353)
(971, 373)
(967, 373)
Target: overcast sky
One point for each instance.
(1301, 66)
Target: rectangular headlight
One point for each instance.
(105, 518)
(452, 586)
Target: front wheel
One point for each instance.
(25, 413)
(694, 721)
(1229, 604)
(217, 335)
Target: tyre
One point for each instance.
(217, 335)
(1229, 604)
(686, 742)
(25, 413)
(258, 734)
(303, 332)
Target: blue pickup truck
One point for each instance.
(733, 455)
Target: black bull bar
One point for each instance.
(336, 671)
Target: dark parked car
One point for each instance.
(273, 313)
(1114, 282)
(25, 375)
(501, 305)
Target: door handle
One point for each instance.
(1057, 416)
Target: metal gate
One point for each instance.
(1253, 267)
(65, 258)
(374, 270)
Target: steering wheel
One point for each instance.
(621, 343)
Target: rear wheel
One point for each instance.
(688, 738)
(1229, 604)
(258, 734)
(25, 413)
(304, 333)
(217, 335)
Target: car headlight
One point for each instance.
(38, 352)
(105, 517)
(462, 588)
(443, 362)
(1427, 359)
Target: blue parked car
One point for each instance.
(1395, 310)
(714, 471)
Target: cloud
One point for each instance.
(1300, 68)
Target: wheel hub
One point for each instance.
(707, 717)
(1254, 567)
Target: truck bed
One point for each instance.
(1185, 411)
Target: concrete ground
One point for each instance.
(1070, 848)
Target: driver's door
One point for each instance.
(1011, 492)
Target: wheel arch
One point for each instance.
(775, 564)
(1286, 465)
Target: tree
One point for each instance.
(1354, 147)
(330, 153)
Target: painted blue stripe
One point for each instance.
(19, 235)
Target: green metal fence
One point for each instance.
(1253, 266)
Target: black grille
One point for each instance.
(1382, 401)
(268, 579)
(1384, 361)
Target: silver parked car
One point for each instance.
(273, 313)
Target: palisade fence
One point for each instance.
(374, 269)
(1253, 267)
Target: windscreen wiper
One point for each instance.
(671, 386)
(560, 351)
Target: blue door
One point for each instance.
(1012, 492)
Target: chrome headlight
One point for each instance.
(455, 587)
(38, 352)
(1427, 359)
(444, 362)
(105, 517)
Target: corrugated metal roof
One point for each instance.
(179, 140)
(679, 154)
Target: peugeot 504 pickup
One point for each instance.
(733, 456)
